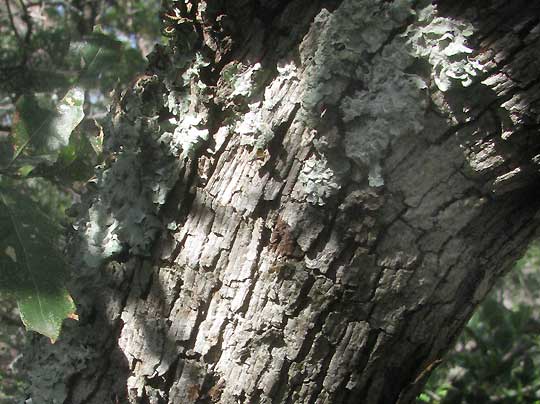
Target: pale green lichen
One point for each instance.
(245, 83)
(351, 46)
(319, 181)
(443, 42)
(344, 41)
(176, 102)
(392, 105)
(359, 43)
(102, 241)
(187, 136)
(147, 156)
(253, 128)
(191, 75)
(123, 214)
(47, 381)
(239, 84)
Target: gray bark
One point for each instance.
(303, 202)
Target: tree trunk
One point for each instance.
(303, 202)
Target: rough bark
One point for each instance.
(303, 202)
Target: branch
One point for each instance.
(12, 22)
(23, 42)
(28, 21)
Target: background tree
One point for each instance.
(301, 202)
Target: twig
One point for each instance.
(12, 22)
(23, 42)
(29, 26)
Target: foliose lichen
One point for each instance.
(391, 105)
(244, 83)
(146, 155)
(253, 129)
(344, 41)
(319, 181)
(371, 45)
(443, 42)
(240, 93)
(187, 136)
(356, 44)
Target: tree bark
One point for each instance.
(303, 202)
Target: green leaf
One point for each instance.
(41, 132)
(94, 55)
(103, 60)
(31, 268)
(75, 162)
(424, 398)
(25, 170)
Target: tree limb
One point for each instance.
(12, 22)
